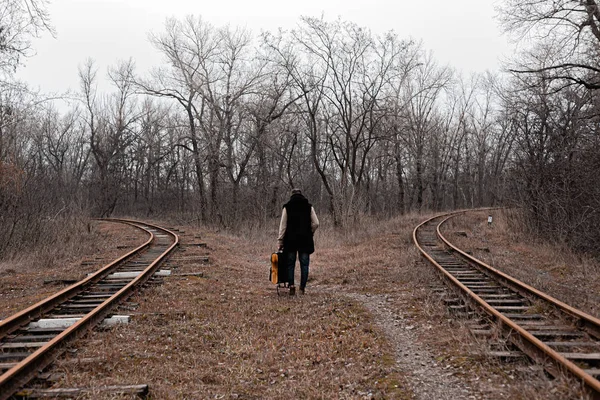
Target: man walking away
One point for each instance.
(298, 224)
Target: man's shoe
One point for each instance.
(292, 290)
(301, 290)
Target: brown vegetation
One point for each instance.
(550, 267)
(70, 255)
(370, 126)
(226, 334)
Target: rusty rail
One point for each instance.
(25, 370)
(552, 360)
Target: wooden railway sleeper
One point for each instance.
(44, 342)
(521, 313)
(588, 362)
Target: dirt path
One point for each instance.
(368, 328)
(427, 378)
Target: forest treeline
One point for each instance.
(364, 123)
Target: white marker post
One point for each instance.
(489, 220)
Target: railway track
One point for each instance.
(562, 339)
(31, 339)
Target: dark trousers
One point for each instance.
(291, 264)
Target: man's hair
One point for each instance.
(296, 191)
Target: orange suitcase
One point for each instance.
(278, 270)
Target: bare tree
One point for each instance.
(363, 123)
(188, 47)
(230, 80)
(20, 21)
(308, 80)
(396, 103)
(110, 123)
(422, 96)
(573, 27)
(269, 102)
(211, 74)
(341, 71)
(65, 149)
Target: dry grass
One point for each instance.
(24, 279)
(228, 335)
(551, 268)
(495, 378)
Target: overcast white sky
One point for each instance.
(462, 33)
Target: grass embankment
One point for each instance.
(76, 249)
(227, 334)
(550, 267)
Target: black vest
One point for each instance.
(298, 233)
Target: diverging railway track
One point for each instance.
(562, 339)
(31, 339)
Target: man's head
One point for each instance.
(296, 191)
